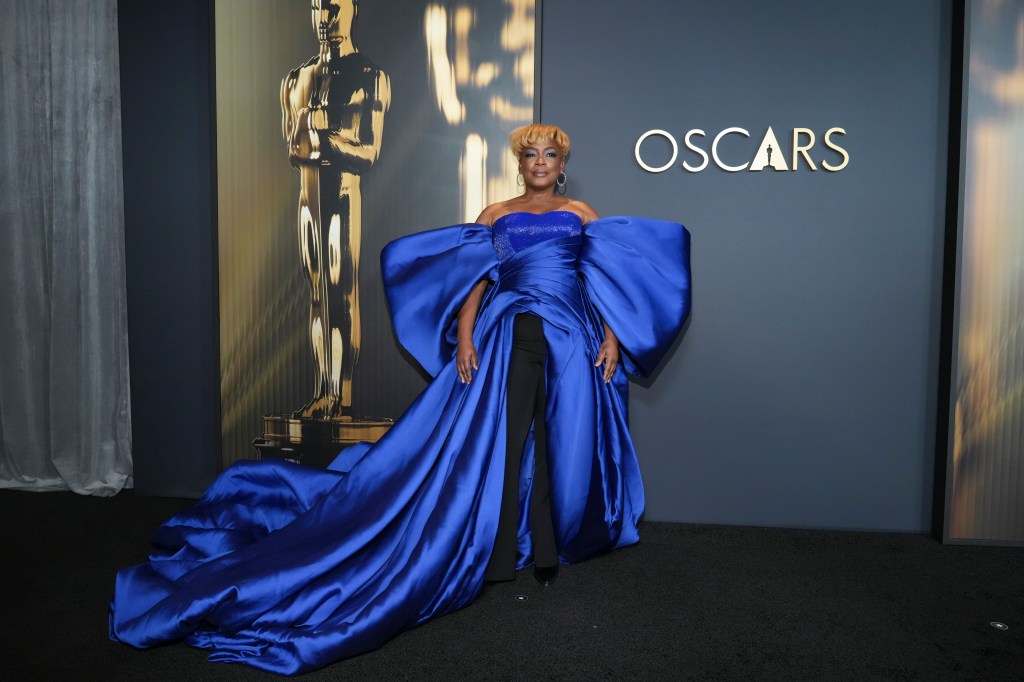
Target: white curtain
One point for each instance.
(64, 404)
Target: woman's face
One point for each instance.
(540, 163)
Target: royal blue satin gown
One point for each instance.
(286, 568)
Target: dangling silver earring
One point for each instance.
(560, 183)
(520, 180)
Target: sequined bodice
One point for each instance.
(514, 232)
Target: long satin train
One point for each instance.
(288, 569)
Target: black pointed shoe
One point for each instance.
(546, 575)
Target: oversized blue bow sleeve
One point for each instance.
(637, 273)
(427, 277)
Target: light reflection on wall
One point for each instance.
(987, 500)
(483, 86)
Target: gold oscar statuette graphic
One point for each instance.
(333, 109)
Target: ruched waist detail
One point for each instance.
(546, 268)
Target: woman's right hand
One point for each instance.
(465, 357)
(466, 361)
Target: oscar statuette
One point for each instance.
(333, 109)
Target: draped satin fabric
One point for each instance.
(288, 569)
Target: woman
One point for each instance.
(541, 151)
(288, 569)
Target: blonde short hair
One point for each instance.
(538, 132)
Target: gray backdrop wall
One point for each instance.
(170, 236)
(804, 392)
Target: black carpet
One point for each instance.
(688, 602)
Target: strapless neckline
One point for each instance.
(542, 213)
(519, 230)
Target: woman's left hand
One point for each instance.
(609, 355)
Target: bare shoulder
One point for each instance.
(492, 213)
(583, 209)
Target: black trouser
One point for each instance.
(524, 404)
